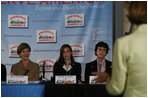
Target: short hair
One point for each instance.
(102, 44)
(23, 46)
(138, 12)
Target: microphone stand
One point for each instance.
(44, 63)
(43, 71)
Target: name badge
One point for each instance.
(12, 79)
(65, 79)
(92, 80)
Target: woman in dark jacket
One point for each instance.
(66, 64)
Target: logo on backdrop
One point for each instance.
(77, 49)
(47, 63)
(73, 20)
(100, 34)
(17, 21)
(46, 35)
(13, 51)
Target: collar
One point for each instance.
(69, 68)
(101, 61)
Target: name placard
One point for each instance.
(92, 81)
(65, 79)
(13, 79)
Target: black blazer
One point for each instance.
(3, 72)
(59, 70)
(92, 67)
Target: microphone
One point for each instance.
(26, 72)
(44, 63)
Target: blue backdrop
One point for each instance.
(50, 15)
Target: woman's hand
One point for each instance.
(102, 76)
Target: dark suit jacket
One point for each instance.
(3, 72)
(59, 70)
(92, 67)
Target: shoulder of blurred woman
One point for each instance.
(141, 29)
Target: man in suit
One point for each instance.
(3, 72)
(99, 65)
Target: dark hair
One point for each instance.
(23, 46)
(138, 12)
(101, 44)
(61, 58)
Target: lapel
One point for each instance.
(93, 66)
(72, 67)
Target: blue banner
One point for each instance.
(47, 25)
